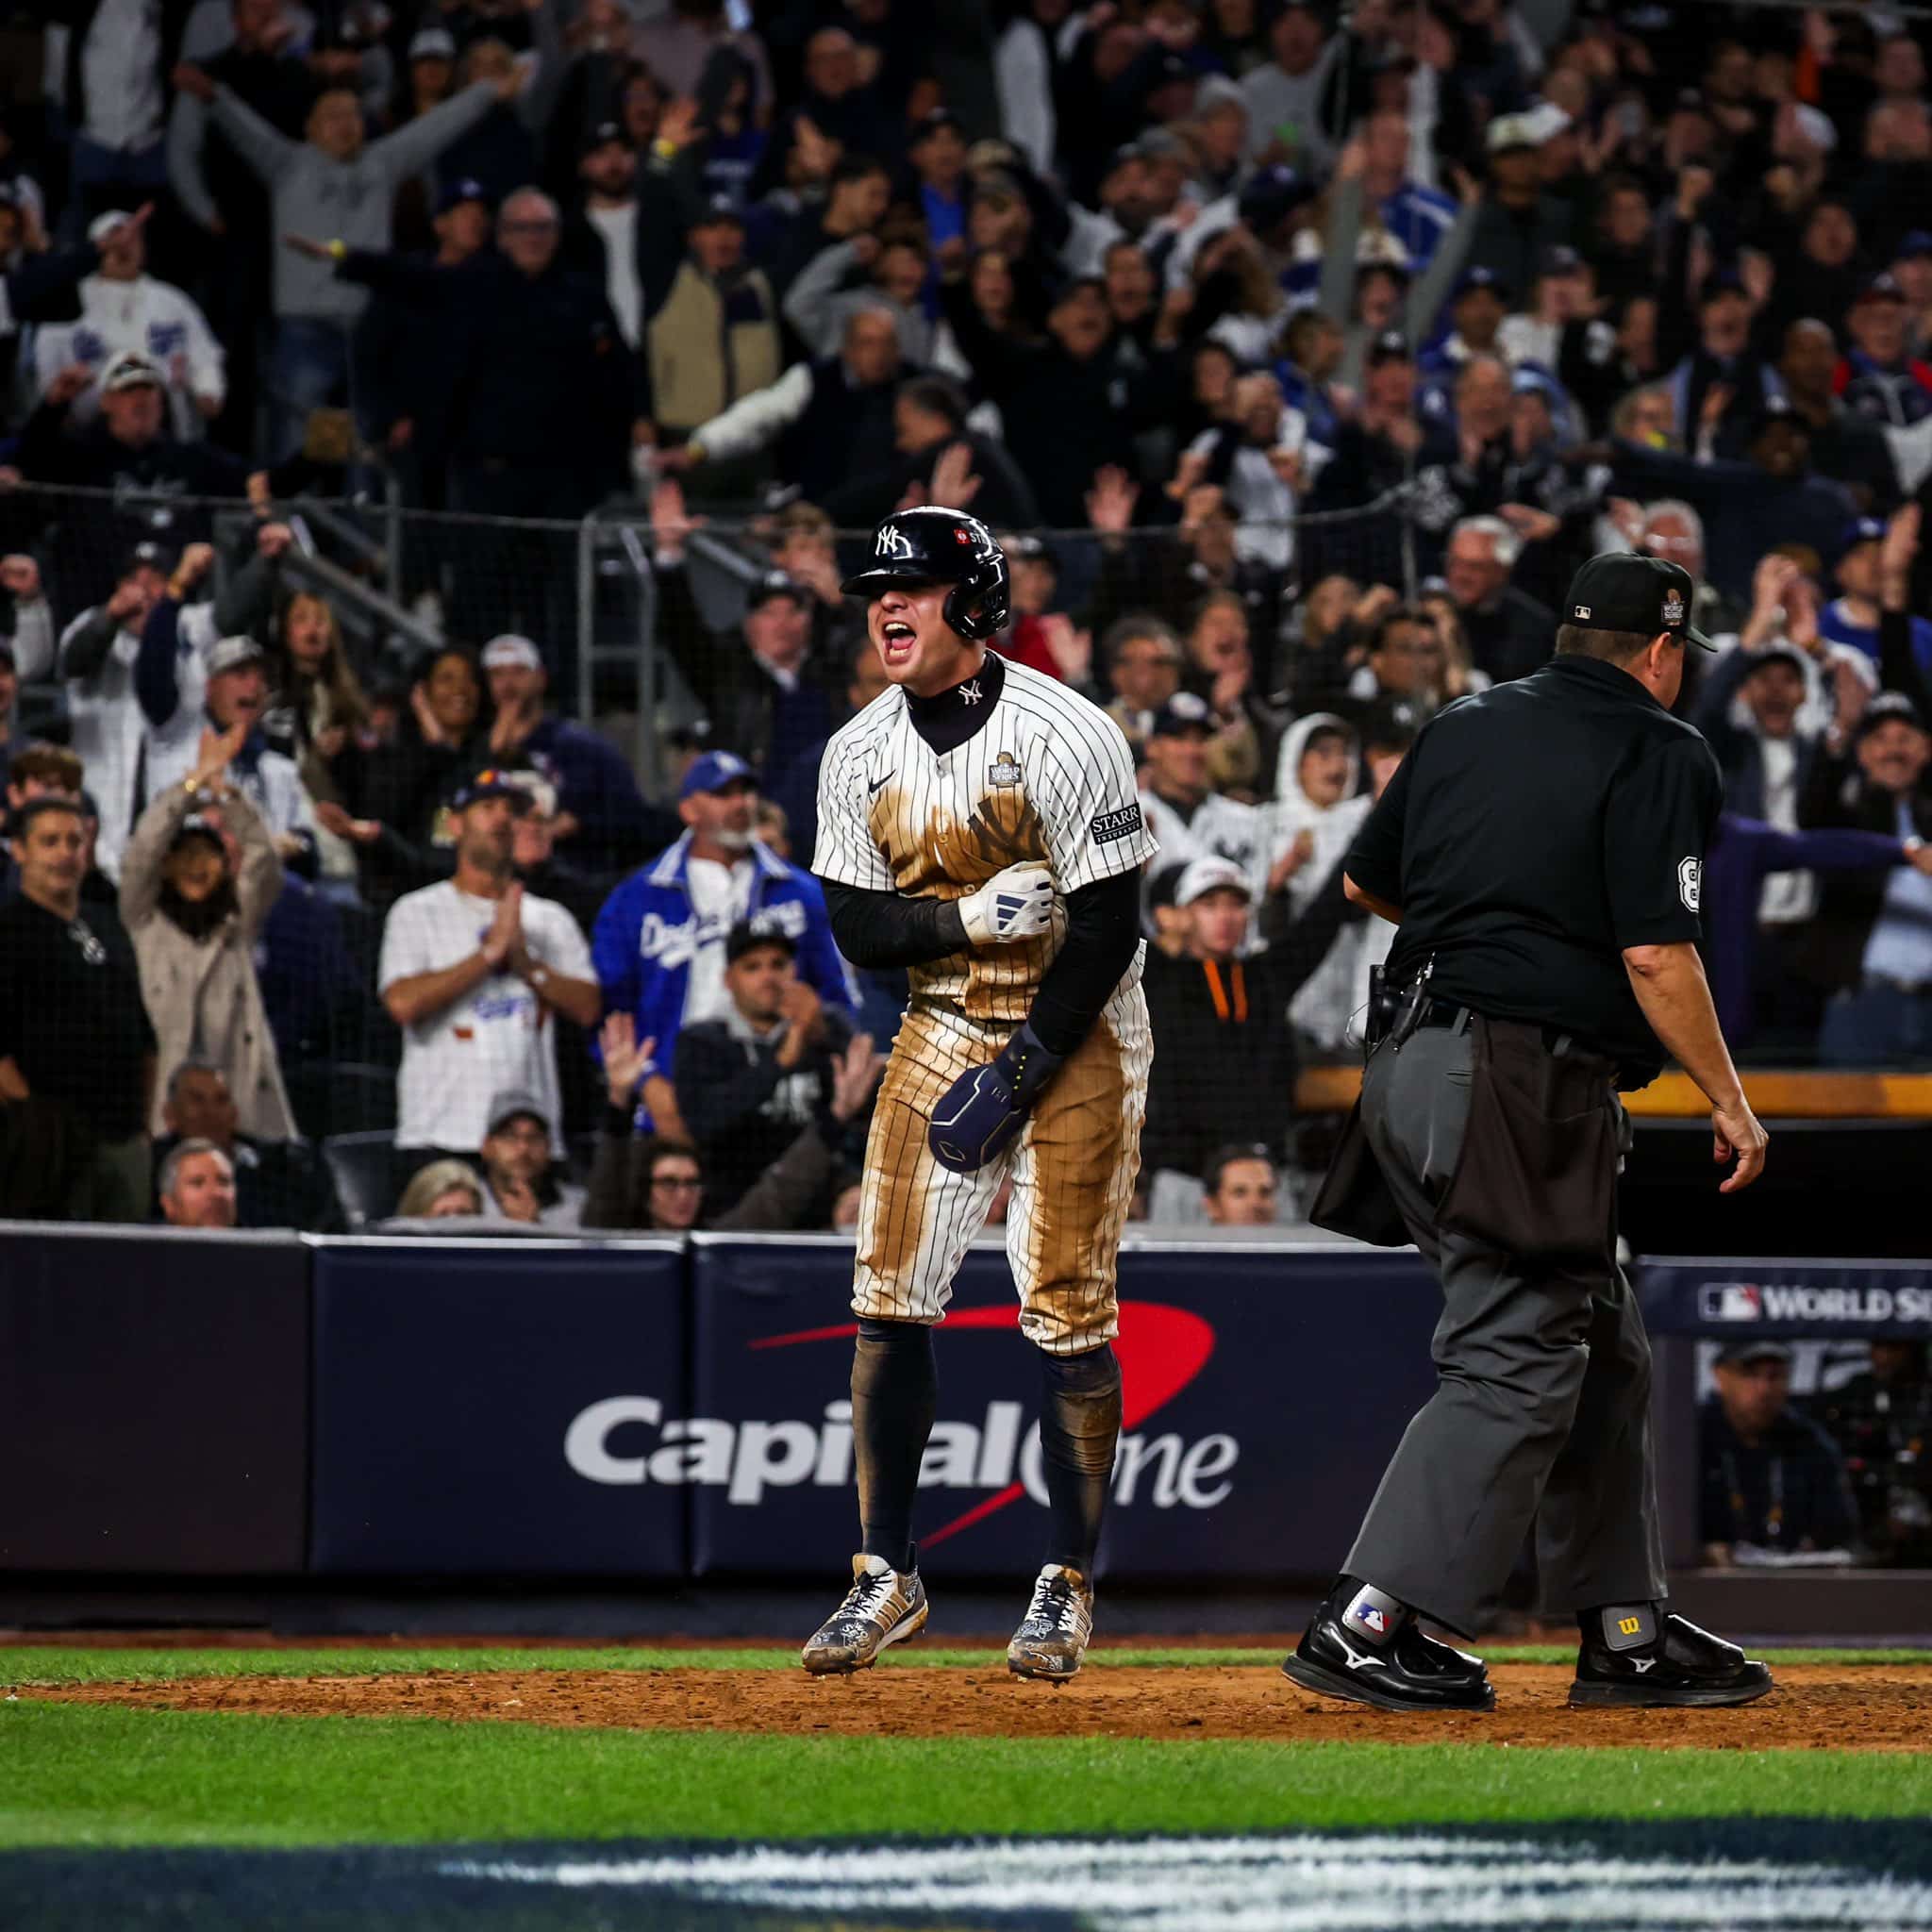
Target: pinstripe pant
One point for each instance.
(1072, 1169)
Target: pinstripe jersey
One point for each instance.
(1047, 775)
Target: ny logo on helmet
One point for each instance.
(894, 543)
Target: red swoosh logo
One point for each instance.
(1161, 1349)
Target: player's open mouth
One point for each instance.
(897, 638)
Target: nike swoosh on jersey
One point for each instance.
(871, 789)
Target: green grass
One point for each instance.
(93, 1777)
(29, 1665)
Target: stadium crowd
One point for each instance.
(1298, 357)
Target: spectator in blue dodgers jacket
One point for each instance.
(659, 942)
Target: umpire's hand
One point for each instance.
(1737, 1130)
(1016, 904)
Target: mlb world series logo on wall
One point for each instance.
(1806, 1302)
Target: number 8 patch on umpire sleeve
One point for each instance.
(1690, 882)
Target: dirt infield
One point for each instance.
(1816, 1706)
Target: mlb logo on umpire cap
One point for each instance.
(1619, 591)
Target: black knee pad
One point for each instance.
(1095, 1373)
(894, 1335)
(894, 1356)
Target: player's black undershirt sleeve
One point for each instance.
(1103, 929)
(889, 929)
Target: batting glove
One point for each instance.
(1016, 904)
(982, 1111)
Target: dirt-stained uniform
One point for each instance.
(1047, 777)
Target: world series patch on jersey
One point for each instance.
(1047, 776)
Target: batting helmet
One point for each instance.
(932, 545)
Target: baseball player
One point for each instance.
(979, 826)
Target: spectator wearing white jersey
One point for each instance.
(470, 970)
(100, 648)
(124, 310)
(1182, 809)
(234, 690)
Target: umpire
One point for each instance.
(1541, 849)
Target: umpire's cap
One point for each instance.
(1644, 594)
(934, 545)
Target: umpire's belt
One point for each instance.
(1446, 1013)
(1536, 1173)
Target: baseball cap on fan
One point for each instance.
(1760, 1349)
(464, 188)
(129, 370)
(516, 1104)
(716, 770)
(1211, 874)
(748, 935)
(1644, 594)
(511, 649)
(490, 783)
(773, 584)
(232, 654)
(104, 224)
(1183, 712)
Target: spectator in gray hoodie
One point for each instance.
(333, 184)
(824, 296)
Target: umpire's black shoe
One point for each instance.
(1394, 1669)
(1662, 1660)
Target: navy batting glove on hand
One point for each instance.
(982, 1112)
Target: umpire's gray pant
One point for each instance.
(1542, 1412)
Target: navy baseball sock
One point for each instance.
(1079, 1431)
(894, 1397)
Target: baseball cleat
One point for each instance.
(1404, 1670)
(1053, 1636)
(1671, 1663)
(881, 1608)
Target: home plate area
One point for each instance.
(1757, 1874)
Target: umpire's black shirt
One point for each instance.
(1532, 833)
